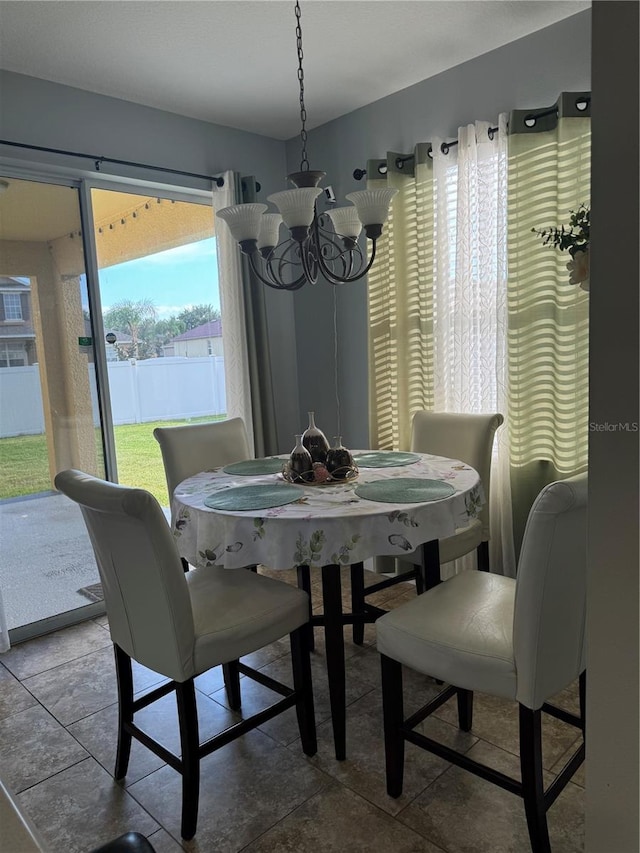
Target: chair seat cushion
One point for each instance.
(461, 632)
(236, 612)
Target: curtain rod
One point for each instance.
(359, 174)
(530, 119)
(97, 161)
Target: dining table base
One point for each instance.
(333, 620)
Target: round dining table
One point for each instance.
(248, 513)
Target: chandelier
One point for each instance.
(318, 243)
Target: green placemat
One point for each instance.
(385, 459)
(249, 467)
(253, 497)
(405, 490)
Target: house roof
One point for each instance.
(207, 330)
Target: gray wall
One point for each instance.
(37, 112)
(613, 792)
(530, 72)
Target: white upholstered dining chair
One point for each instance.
(468, 438)
(521, 639)
(191, 448)
(182, 624)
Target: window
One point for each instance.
(12, 355)
(12, 306)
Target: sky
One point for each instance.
(173, 280)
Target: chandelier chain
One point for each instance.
(304, 162)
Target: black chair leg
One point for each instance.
(393, 713)
(483, 556)
(357, 602)
(124, 677)
(189, 740)
(303, 686)
(465, 709)
(231, 675)
(304, 583)
(428, 575)
(532, 781)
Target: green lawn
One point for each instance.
(24, 465)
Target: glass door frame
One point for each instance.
(84, 182)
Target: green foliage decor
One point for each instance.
(572, 238)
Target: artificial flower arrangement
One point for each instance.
(574, 239)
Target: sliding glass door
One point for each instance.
(109, 325)
(158, 285)
(49, 413)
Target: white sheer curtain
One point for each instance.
(470, 303)
(234, 334)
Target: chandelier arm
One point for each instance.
(333, 278)
(310, 263)
(277, 262)
(274, 283)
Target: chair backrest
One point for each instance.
(186, 450)
(551, 590)
(468, 438)
(145, 590)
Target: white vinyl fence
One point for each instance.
(155, 389)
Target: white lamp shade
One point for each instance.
(269, 230)
(243, 220)
(296, 206)
(372, 205)
(346, 221)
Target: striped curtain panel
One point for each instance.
(548, 343)
(401, 377)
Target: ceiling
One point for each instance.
(233, 62)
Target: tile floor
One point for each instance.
(57, 748)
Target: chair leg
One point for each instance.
(393, 713)
(303, 686)
(465, 709)
(429, 573)
(124, 677)
(304, 583)
(231, 675)
(357, 601)
(532, 781)
(483, 556)
(189, 740)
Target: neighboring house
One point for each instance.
(17, 338)
(201, 341)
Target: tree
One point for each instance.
(159, 334)
(131, 317)
(196, 316)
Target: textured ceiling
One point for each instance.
(234, 63)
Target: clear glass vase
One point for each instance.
(315, 441)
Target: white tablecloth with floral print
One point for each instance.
(330, 524)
